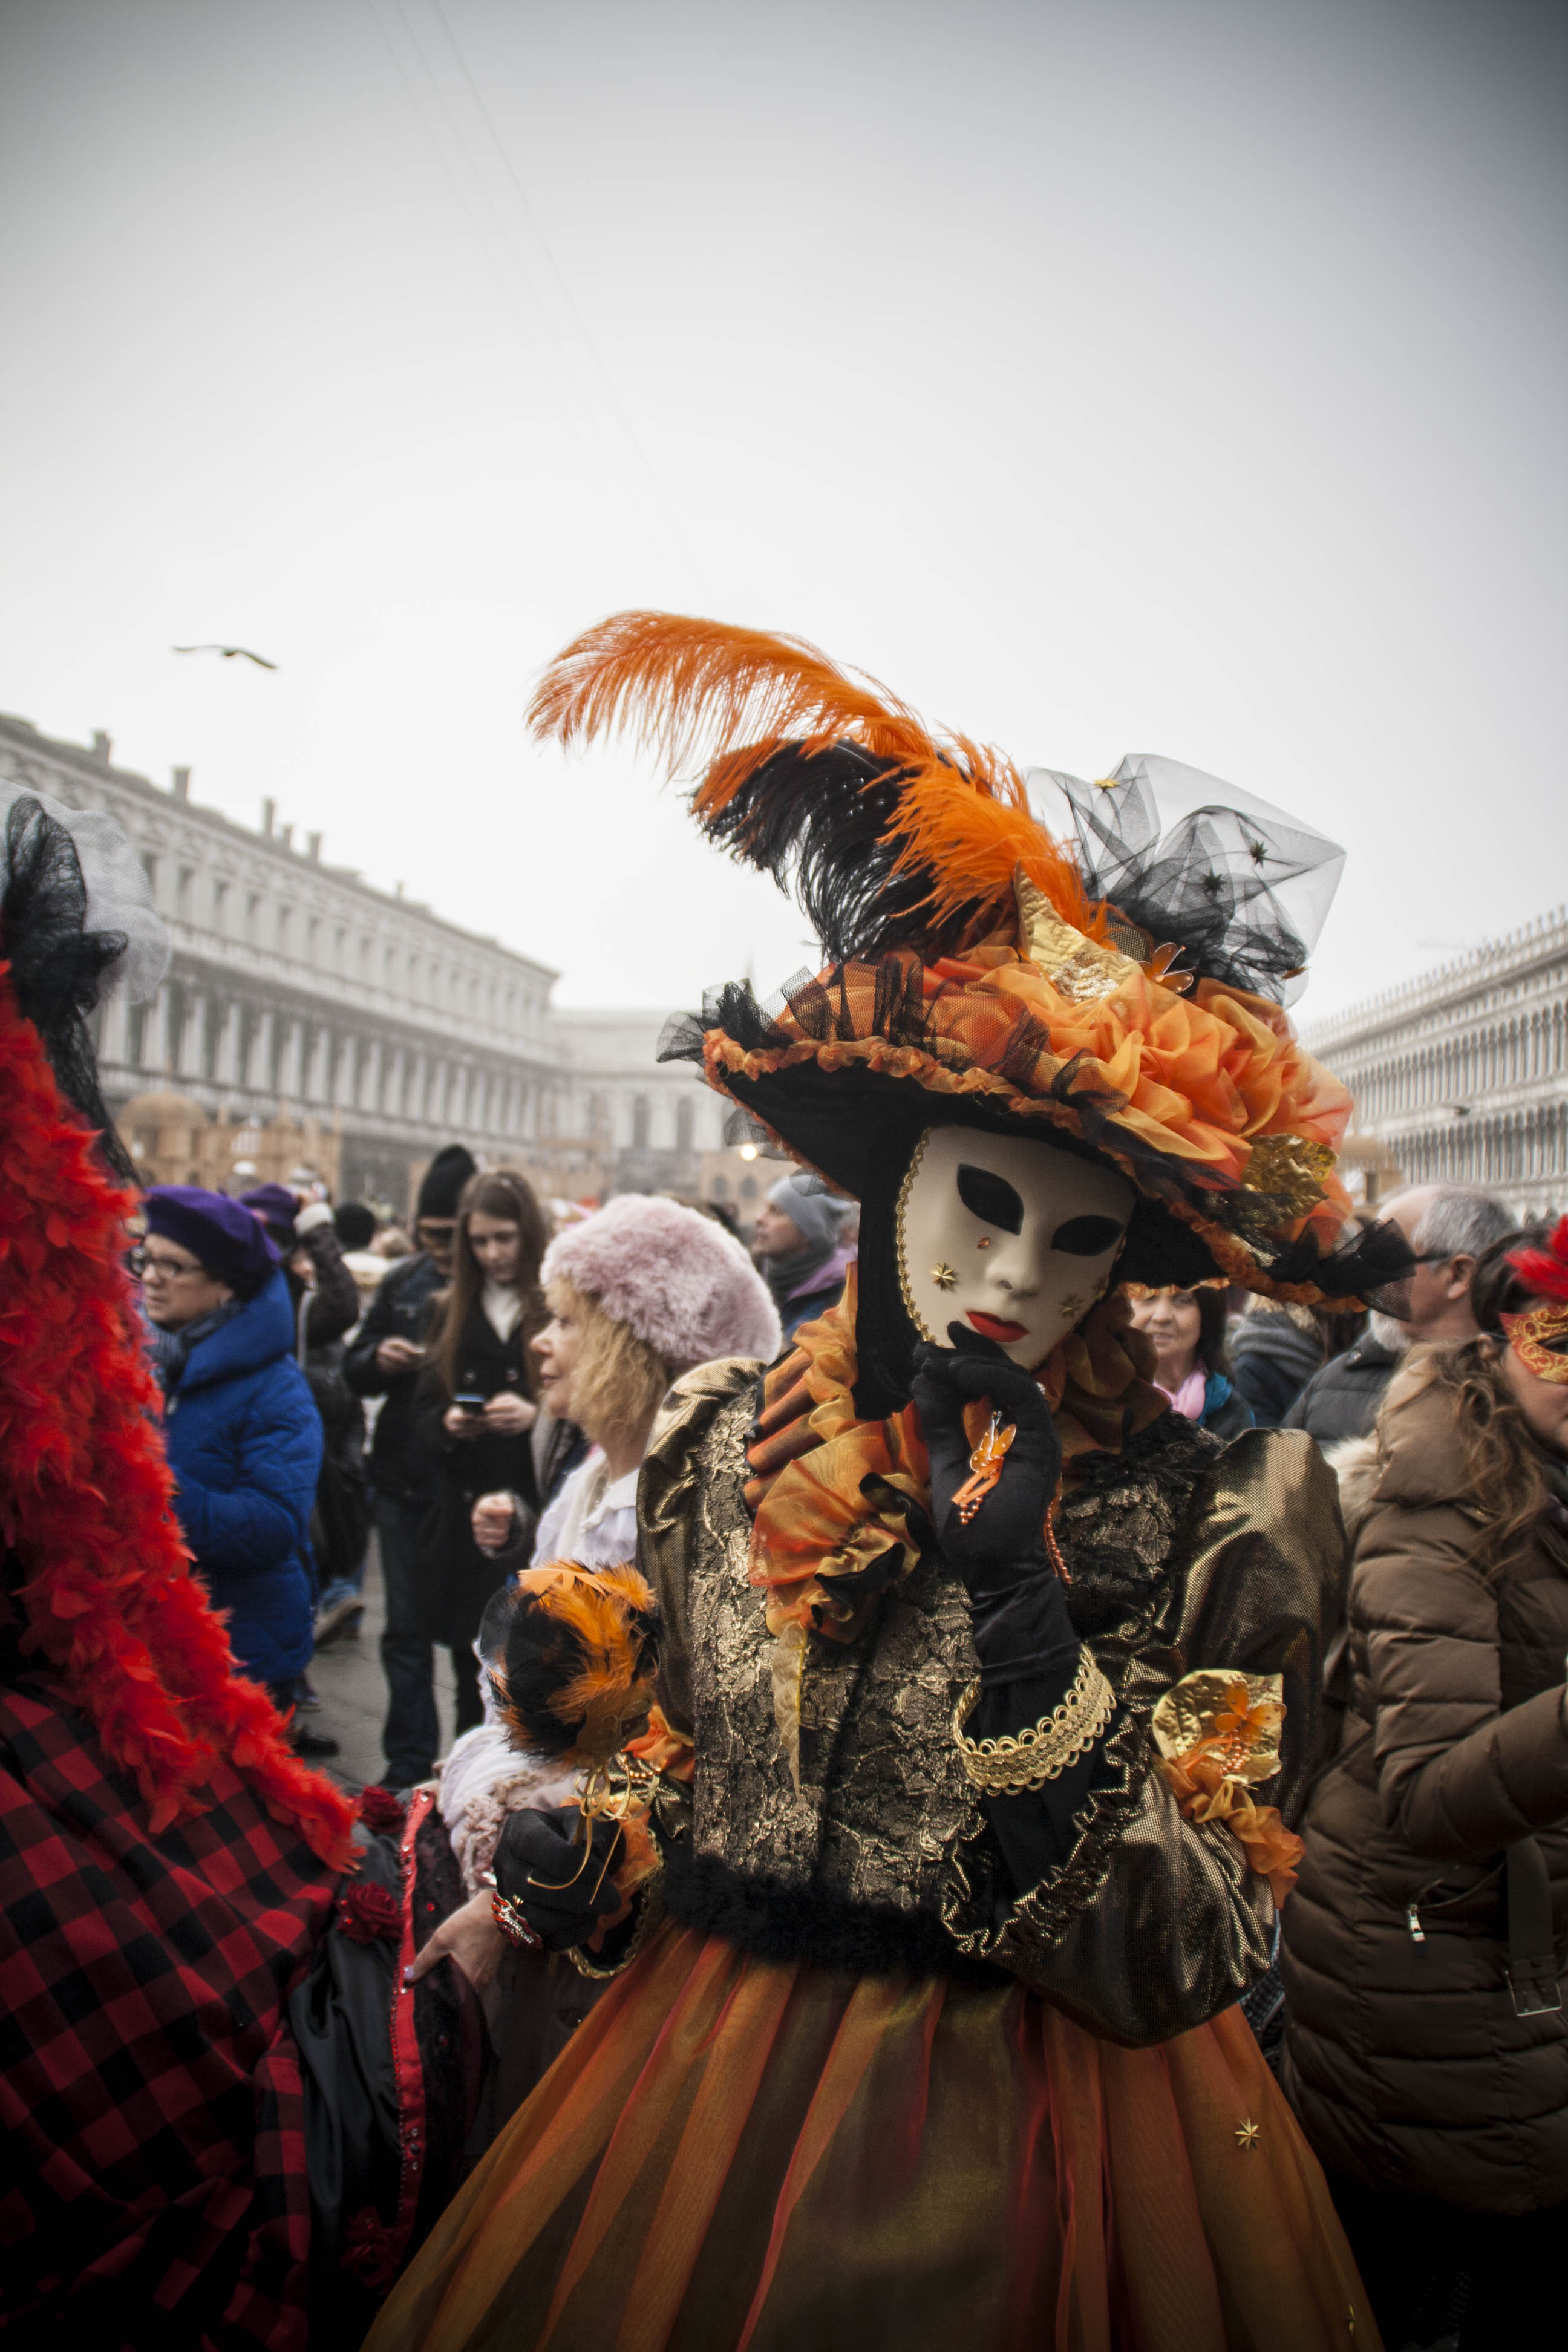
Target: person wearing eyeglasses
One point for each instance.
(242, 1433)
(1447, 1226)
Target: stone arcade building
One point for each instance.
(1461, 1077)
(308, 1018)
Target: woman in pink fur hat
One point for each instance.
(638, 1293)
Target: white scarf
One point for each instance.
(502, 1306)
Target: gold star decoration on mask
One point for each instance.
(943, 1277)
(1248, 2132)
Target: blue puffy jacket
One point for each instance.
(245, 1444)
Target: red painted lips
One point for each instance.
(996, 1326)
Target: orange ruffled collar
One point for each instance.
(829, 1493)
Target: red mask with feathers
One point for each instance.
(1539, 1337)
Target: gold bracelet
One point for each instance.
(1027, 1760)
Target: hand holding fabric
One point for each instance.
(1002, 1543)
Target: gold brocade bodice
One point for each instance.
(1183, 1555)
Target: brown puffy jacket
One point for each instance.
(1424, 1945)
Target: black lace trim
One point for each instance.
(56, 964)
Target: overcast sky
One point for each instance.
(1183, 377)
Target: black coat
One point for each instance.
(1342, 1400)
(485, 1365)
(333, 1307)
(459, 1576)
(1271, 1361)
(404, 1461)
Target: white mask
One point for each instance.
(1014, 1238)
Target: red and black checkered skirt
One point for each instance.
(152, 2105)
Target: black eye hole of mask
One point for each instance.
(1086, 1236)
(989, 1198)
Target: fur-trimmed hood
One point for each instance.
(681, 1282)
(1357, 1463)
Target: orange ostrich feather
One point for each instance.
(705, 694)
(600, 1620)
(605, 1613)
(973, 843)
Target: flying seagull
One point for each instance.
(228, 653)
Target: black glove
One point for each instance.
(563, 1889)
(1002, 1543)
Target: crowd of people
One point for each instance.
(269, 1345)
(517, 1378)
(1009, 1779)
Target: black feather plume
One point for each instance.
(820, 823)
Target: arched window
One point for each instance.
(683, 1113)
(639, 1122)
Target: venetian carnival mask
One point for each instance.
(1014, 1239)
(1539, 1340)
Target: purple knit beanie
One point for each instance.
(231, 1242)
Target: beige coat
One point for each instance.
(1421, 2052)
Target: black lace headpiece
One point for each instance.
(58, 967)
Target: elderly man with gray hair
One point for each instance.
(800, 1247)
(1447, 1226)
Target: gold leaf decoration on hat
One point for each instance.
(1290, 1172)
(1077, 968)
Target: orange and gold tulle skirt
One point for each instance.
(735, 2155)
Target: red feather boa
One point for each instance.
(87, 1498)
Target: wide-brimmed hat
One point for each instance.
(979, 970)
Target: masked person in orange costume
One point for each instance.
(933, 1821)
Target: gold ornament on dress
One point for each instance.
(1248, 2132)
(1027, 1760)
(619, 1785)
(1052, 1545)
(1241, 1715)
(985, 1462)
